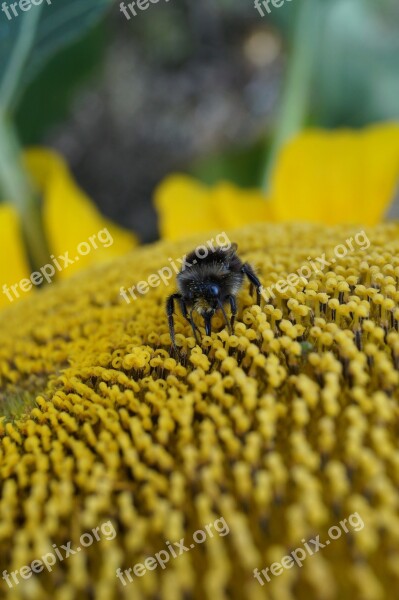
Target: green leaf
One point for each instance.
(58, 82)
(357, 77)
(28, 41)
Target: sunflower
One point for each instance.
(283, 428)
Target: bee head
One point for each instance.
(210, 302)
(212, 290)
(211, 294)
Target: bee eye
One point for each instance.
(214, 290)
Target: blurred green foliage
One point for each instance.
(357, 79)
(342, 71)
(47, 99)
(47, 53)
(356, 76)
(244, 166)
(29, 41)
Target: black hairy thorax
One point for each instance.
(208, 280)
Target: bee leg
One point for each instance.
(193, 326)
(250, 273)
(188, 317)
(170, 305)
(225, 317)
(208, 324)
(233, 306)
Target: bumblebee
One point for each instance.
(207, 284)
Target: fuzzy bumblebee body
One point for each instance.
(210, 279)
(207, 284)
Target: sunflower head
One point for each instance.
(285, 427)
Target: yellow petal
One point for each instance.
(71, 220)
(186, 206)
(337, 177)
(237, 207)
(14, 265)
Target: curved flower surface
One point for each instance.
(283, 429)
